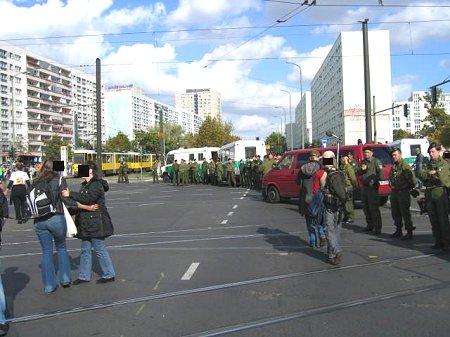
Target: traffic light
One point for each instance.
(433, 96)
(405, 110)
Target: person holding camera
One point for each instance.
(435, 176)
(371, 171)
(402, 181)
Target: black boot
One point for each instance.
(408, 236)
(398, 233)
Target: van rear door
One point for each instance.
(286, 179)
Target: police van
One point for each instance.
(408, 147)
(241, 150)
(197, 153)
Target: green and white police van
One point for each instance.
(241, 150)
(408, 147)
(197, 153)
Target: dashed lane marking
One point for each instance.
(230, 213)
(202, 194)
(190, 272)
(241, 198)
(224, 222)
(235, 206)
(152, 204)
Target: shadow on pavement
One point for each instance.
(286, 242)
(13, 283)
(75, 264)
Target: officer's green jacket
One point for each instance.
(350, 176)
(401, 176)
(176, 167)
(374, 170)
(193, 167)
(440, 179)
(219, 167)
(184, 167)
(241, 166)
(230, 167)
(267, 165)
(211, 167)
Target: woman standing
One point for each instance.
(93, 227)
(52, 227)
(18, 184)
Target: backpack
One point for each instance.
(41, 201)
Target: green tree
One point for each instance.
(85, 145)
(213, 132)
(435, 123)
(277, 142)
(52, 148)
(148, 140)
(401, 134)
(315, 143)
(118, 143)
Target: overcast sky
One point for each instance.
(168, 46)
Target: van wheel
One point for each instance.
(272, 195)
(383, 201)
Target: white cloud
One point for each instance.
(251, 123)
(402, 87)
(207, 11)
(445, 63)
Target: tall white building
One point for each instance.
(337, 90)
(128, 109)
(12, 67)
(202, 102)
(418, 111)
(303, 120)
(84, 102)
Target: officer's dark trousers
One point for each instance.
(400, 203)
(438, 213)
(231, 180)
(176, 178)
(19, 202)
(371, 207)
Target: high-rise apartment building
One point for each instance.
(303, 122)
(128, 109)
(202, 102)
(337, 90)
(418, 111)
(85, 108)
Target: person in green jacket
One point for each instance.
(184, 173)
(212, 172)
(267, 163)
(350, 184)
(176, 173)
(230, 173)
(219, 172)
(371, 172)
(402, 181)
(205, 172)
(242, 173)
(435, 175)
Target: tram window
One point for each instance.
(191, 156)
(250, 152)
(200, 157)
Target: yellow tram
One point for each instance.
(111, 160)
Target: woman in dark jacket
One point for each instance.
(93, 227)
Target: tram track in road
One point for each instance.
(211, 288)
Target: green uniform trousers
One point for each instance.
(371, 207)
(438, 210)
(400, 204)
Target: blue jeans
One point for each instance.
(2, 304)
(49, 230)
(102, 256)
(333, 221)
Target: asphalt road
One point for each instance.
(206, 261)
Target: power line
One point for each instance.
(363, 5)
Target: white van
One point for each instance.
(241, 150)
(408, 147)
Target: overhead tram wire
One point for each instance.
(363, 5)
(212, 29)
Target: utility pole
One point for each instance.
(367, 96)
(374, 121)
(98, 87)
(13, 110)
(162, 136)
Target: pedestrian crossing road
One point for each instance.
(208, 261)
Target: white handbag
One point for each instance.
(71, 228)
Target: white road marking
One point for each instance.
(198, 194)
(235, 206)
(159, 281)
(190, 272)
(241, 198)
(118, 199)
(230, 213)
(224, 222)
(151, 204)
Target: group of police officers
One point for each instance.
(215, 172)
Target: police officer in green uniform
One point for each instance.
(350, 184)
(242, 173)
(219, 172)
(248, 173)
(155, 172)
(267, 163)
(184, 173)
(435, 176)
(120, 178)
(371, 171)
(230, 173)
(176, 173)
(212, 172)
(402, 181)
(125, 172)
(205, 172)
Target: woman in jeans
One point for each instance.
(52, 228)
(93, 227)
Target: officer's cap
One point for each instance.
(394, 149)
(369, 148)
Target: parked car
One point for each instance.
(280, 182)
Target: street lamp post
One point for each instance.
(284, 110)
(290, 116)
(301, 106)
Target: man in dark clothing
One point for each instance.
(418, 164)
(371, 171)
(176, 173)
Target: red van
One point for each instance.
(279, 182)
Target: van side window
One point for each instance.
(285, 163)
(191, 156)
(302, 158)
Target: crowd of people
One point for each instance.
(326, 191)
(214, 172)
(51, 216)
